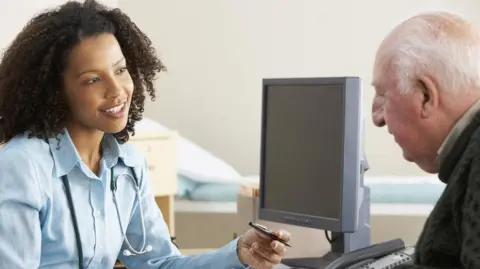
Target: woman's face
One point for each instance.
(98, 87)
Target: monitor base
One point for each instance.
(312, 262)
(348, 242)
(341, 242)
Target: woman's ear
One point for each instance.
(430, 95)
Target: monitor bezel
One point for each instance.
(349, 204)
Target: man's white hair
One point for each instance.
(441, 45)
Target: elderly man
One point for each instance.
(427, 89)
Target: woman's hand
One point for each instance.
(260, 251)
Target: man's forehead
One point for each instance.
(381, 75)
(382, 67)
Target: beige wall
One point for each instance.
(218, 51)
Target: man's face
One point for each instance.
(402, 114)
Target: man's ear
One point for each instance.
(430, 93)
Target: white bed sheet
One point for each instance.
(386, 189)
(231, 207)
(205, 206)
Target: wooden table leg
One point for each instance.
(165, 203)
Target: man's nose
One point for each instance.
(377, 112)
(378, 119)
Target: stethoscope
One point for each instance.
(113, 187)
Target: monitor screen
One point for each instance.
(303, 161)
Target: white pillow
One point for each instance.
(193, 161)
(395, 179)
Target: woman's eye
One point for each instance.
(121, 70)
(93, 80)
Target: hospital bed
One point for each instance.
(399, 208)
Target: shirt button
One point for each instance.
(96, 213)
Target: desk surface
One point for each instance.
(188, 251)
(191, 251)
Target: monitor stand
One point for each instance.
(342, 242)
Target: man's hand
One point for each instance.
(260, 251)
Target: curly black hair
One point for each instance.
(31, 91)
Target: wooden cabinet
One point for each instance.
(160, 153)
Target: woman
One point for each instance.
(73, 192)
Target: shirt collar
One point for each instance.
(66, 156)
(114, 151)
(457, 130)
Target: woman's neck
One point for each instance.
(88, 145)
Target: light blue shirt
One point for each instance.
(36, 228)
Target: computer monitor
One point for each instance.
(312, 161)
